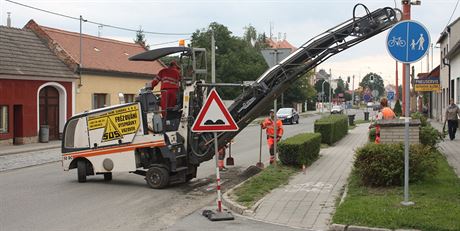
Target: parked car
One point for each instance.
(288, 115)
(337, 109)
(376, 107)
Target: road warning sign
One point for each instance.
(214, 116)
(116, 123)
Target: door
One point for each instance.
(18, 125)
(49, 110)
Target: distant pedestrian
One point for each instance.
(269, 124)
(452, 115)
(385, 113)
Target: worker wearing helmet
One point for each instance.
(170, 83)
(269, 125)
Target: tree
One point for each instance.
(369, 86)
(301, 91)
(236, 60)
(250, 34)
(319, 88)
(140, 39)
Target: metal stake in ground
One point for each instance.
(260, 164)
(218, 215)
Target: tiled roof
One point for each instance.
(433, 73)
(102, 54)
(280, 44)
(23, 53)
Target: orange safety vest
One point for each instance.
(269, 125)
(387, 113)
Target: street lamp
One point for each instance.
(322, 95)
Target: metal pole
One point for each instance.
(406, 201)
(275, 117)
(80, 67)
(353, 95)
(397, 86)
(213, 58)
(406, 16)
(216, 154)
(330, 85)
(322, 96)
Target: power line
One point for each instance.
(93, 22)
(453, 12)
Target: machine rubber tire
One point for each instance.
(108, 176)
(81, 170)
(297, 121)
(157, 177)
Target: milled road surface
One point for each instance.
(44, 197)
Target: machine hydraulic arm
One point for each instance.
(260, 95)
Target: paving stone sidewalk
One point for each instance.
(450, 148)
(20, 156)
(308, 201)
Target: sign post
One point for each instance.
(214, 117)
(407, 42)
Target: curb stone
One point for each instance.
(234, 206)
(340, 227)
(363, 228)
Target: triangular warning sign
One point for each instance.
(214, 116)
(111, 132)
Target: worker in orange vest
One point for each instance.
(221, 158)
(385, 113)
(269, 125)
(170, 84)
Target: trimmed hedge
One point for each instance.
(332, 128)
(300, 149)
(383, 164)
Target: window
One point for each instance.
(129, 98)
(3, 119)
(99, 100)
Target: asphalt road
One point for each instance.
(44, 197)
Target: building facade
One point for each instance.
(449, 70)
(103, 67)
(36, 88)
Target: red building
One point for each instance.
(35, 88)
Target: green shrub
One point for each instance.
(430, 136)
(421, 117)
(397, 109)
(332, 128)
(300, 149)
(383, 164)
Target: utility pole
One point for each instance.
(397, 86)
(80, 65)
(405, 73)
(330, 86)
(213, 58)
(353, 92)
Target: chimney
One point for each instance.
(8, 19)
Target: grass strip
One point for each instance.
(361, 121)
(437, 204)
(258, 186)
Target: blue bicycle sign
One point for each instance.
(408, 41)
(396, 41)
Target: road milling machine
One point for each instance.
(137, 138)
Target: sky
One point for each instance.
(298, 20)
